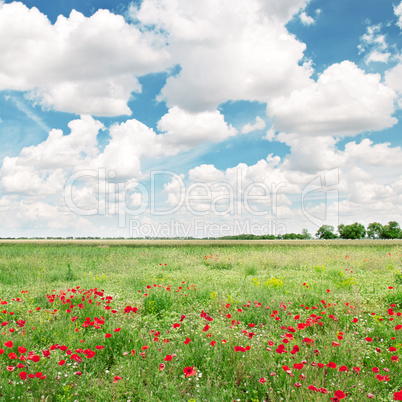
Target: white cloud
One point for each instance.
(306, 19)
(379, 57)
(185, 129)
(368, 153)
(375, 44)
(311, 154)
(398, 14)
(393, 79)
(236, 51)
(249, 127)
(344, 101)
(284, 10)
(31, 217)
(78, 64)
(43, 169)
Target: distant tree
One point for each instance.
(391, 231)
(354, 231)
(289, 236)
(374, 230)
(326, 232)
(305, 234)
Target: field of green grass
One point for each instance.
(201, 321)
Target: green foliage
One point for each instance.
(374, 230)
(391, 231)
(69, 273)
(326, 232)
(354, 231)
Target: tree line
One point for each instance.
(375, 230)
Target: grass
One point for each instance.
(66, 285)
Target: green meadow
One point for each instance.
(201, 321)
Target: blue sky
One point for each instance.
(245, 105)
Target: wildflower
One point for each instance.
(339, 394)
(116, 378)
(23, 375)
(189, 371)
(262, 380)
(161, 366)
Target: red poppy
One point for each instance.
(189, 371)
(187, 341)
(116, 378)
(168, 358)
(21, 349)
(262, 380)
(368, 339)
(8, 344)
(23, 375)
(398, 396)
(161, 366)
(62, 363)
(339, 394)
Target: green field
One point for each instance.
(201, 321)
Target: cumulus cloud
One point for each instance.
(249, 127)
(368, 153)
(78, 64)
(186, 129)
(283, 11)
(393, 79)
(236, 51)
(344, 101)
